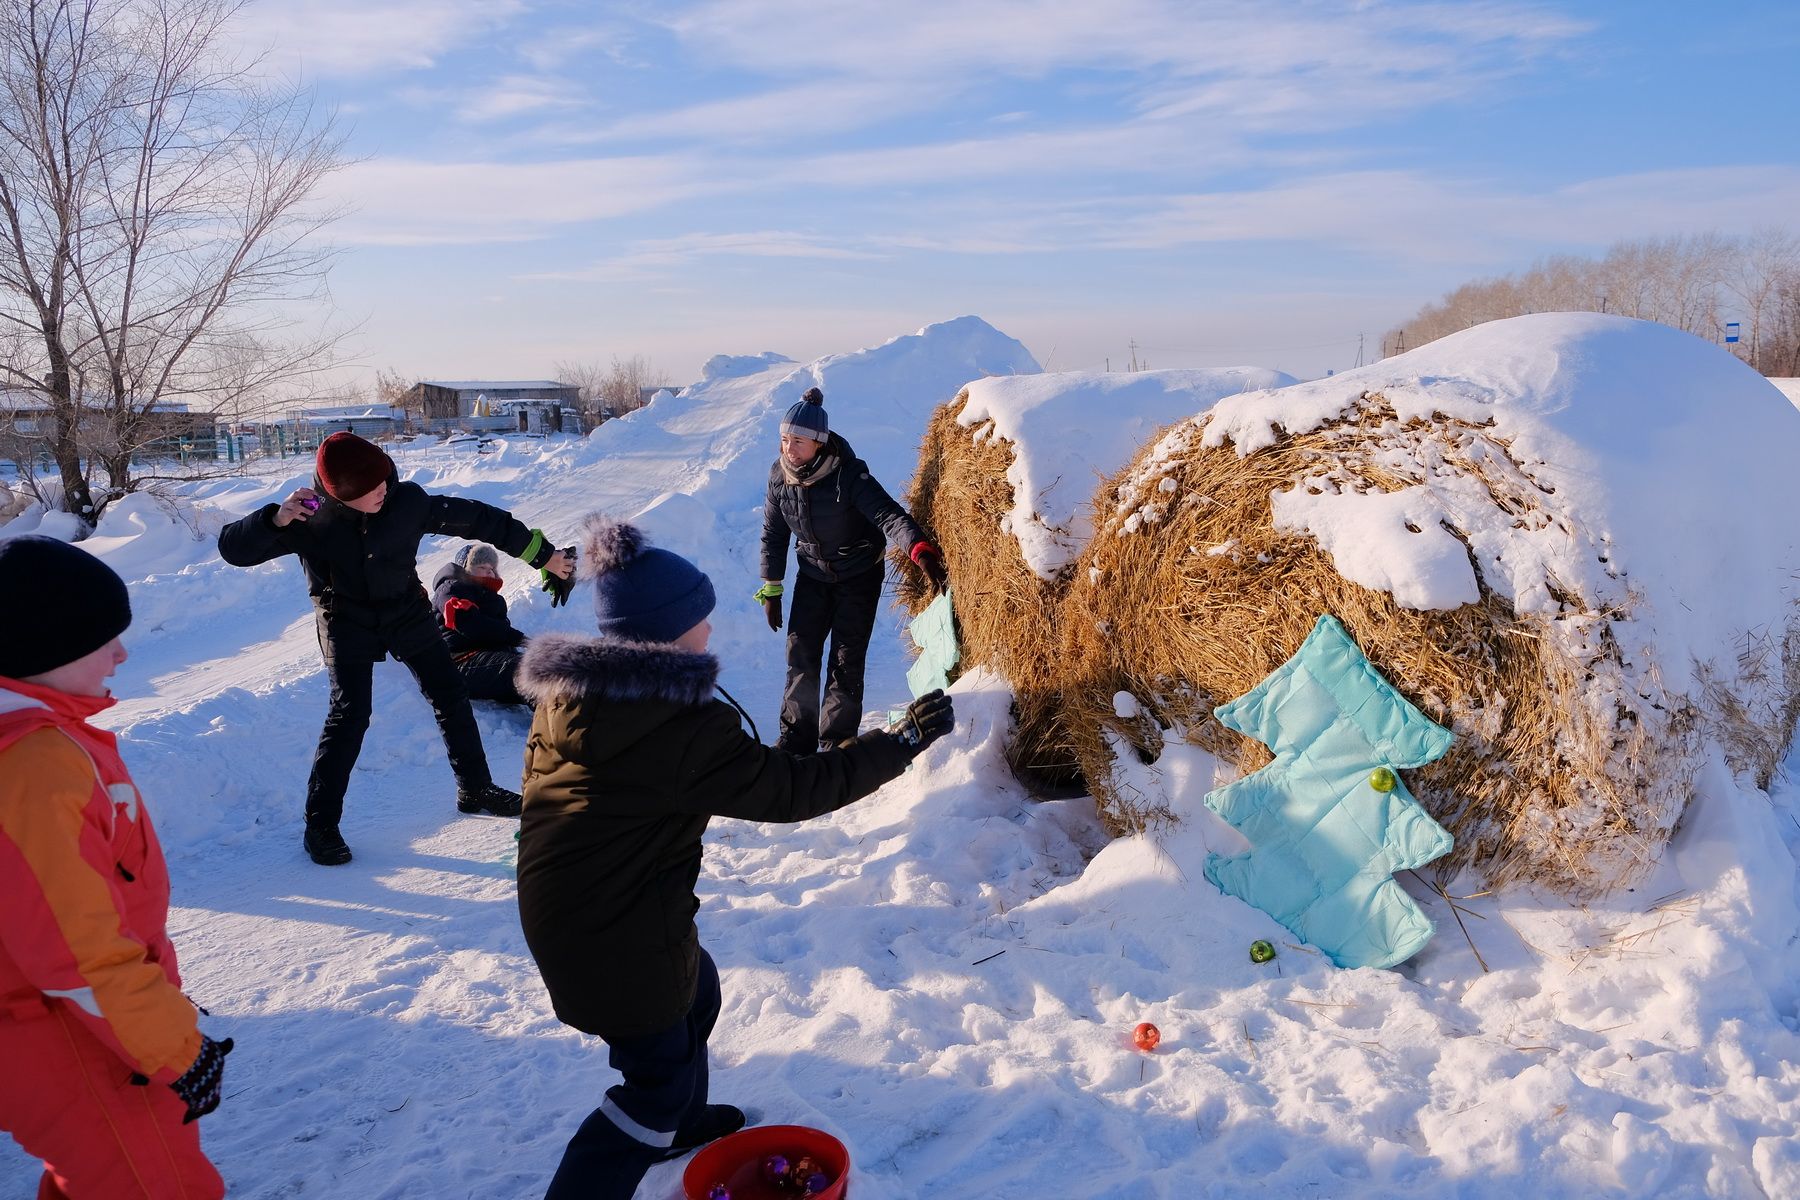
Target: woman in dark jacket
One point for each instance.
(841, 520)
(472, 617)
(357, 536)
(630, 755)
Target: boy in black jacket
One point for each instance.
(630, 755)
(841, 520)
(471, 613)
(357, 535)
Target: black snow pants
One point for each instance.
(665, 1084)
(491, 675)
(352, 682)
(845, 612)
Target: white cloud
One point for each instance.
(306, 38)
(1417, 215)
(658, 257)
(515, 95)
(781, 115)
(402, 202)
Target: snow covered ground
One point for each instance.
(945, 975)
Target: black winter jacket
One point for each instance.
(628, 758)
(479, 622)
(362, 569)
(841, 522)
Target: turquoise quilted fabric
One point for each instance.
(1325, 837)
(934, 633)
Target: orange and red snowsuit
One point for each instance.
(89, 991)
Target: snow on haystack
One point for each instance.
(1005, 484)
(1569, 537)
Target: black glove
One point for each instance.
(927, 719)
(932, 563)
(199, 1087)
(558, 587)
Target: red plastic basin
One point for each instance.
(737, 1162)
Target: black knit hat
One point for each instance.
(57, 602)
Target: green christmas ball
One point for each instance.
(1261, 952)
(1383, 780)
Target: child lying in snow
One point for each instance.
(630, 755)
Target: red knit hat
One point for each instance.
(350, 467)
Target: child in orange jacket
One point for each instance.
(106, 1068)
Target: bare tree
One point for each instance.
(586, 377)
(612, 390)
(395, 390)
(626, 381)
(155, 208)
(1694, 282)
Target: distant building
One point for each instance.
(525, 405)
(166, 430)
(372, 421)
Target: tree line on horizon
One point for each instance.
(1694, 282)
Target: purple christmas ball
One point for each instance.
(816, 1183)
(718, 1191)
(775, 1168)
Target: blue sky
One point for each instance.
(1222, 183)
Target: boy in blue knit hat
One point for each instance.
(631, 754)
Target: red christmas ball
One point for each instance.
(1146, 1036)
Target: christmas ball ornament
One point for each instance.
(775, 1168)
(1382, 779)
(1261, 952)
(1146, 1036)
(816, 1183)
(805, 1167)
(718, 1191)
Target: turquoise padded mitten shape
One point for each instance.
(1329, 821)
(934, 633)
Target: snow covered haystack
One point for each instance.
(1569, 537)
(1005, 484)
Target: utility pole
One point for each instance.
(1359, 349)
(1134, 361)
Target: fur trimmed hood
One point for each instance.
(562, 666)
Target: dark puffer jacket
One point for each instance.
(841, 521)
(629, 756)
(362, 569)
(471, 614)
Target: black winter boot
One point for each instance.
(713, 1123)
(326, 846)
(487, 798)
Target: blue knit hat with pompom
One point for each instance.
(641, 593)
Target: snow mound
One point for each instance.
(730, 366)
